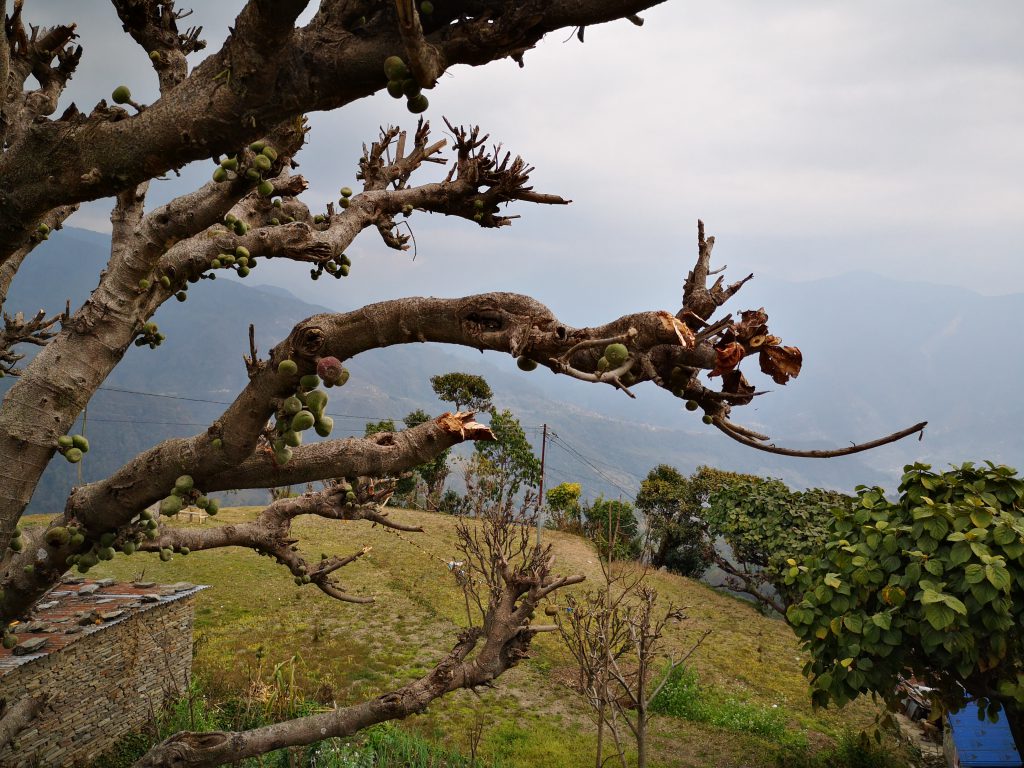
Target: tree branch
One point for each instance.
(738, 434)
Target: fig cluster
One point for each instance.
(73, 447)
(233, 166)
(401, 84)
(304, 409)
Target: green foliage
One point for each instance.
(464, 390)
(507, 463)
(610, 520)
(563, 504)
(673, 506)
(853, 750)
(374, 427)
(683, 696)
(768, 525)
(932, 583)
(434, 472)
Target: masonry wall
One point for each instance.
(102, 686)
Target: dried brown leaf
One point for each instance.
(729, 357)
(781, 363)
(735, 383)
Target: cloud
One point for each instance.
(814, 136)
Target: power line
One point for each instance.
(560, 442)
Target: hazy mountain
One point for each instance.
(879, 355)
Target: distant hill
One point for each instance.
(879, 355)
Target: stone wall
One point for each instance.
(101, 687)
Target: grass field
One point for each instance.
(260, 636)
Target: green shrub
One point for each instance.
(852, 750)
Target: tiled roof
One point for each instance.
(78, 607)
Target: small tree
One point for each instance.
(463, 390)
(563, 507)
(604, 515)
(674, 507)
(433, 473)
(508, 462)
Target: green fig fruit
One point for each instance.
(257, 146)
(184, 484)
(265, 188)
(410, 88)
(216, 443)
(395, 68)
(292, 439)
(185, 551)
(287, 368)
(303, 420)
(57, 536)
(181, 296)
(229, 163)
(165, 554)
(10, 641)
(243, 271)
(80, 443)
(283, 456)
(262, 162)
(418, 104)
(214, 507)
(526, 364)
(478, 204)
(220, 175)
(616, 354)
(144, 284)
(65, 442)
(707, 419)
(74, 455)
(692, 405)
(602, 364)
(324, 426)
(291, 405)
(121, 95)
(77, 540)
(171, 505)
(16, 545)
(253, 174)
(346, 192)
(316, 401)
(310, 382)
(270, 153)
(150, 534)
(105, 553)
(128, 547)
(107, 539)
(426, 7)
(344, 202)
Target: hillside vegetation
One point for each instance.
(260, 637)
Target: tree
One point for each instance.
(433, 472)
(674, 508)
(767, 527)
(463, 390)
(931, 583)
(507, 463)
(242, 107)
(613, 527)
(563, 506)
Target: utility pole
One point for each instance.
(540, 495)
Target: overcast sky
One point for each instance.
(813, 137)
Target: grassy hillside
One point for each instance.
(254, 619)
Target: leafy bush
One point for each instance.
(853, 750)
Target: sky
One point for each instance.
(814, 138)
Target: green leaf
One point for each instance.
(955, 604)
(982, 517)
(998, 577)
(854, 622)
(882, 620)
(974, 573)
(939, 615)
(934, 566)
(959, 553)
(833, 580)
(930, 596)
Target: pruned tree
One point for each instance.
(242, 107)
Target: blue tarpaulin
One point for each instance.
(981, 744)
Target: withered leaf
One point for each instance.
(735, 383)
(729, 356)
(753, 322)
(781, 363)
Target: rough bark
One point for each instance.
(266, 72)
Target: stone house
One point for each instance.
(104, 657)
